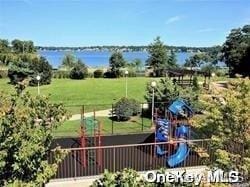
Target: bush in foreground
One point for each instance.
(127, 177)
(227, 123)
(26, 137)
(125, 108)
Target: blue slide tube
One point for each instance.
(182, 151)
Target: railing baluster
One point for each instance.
(140, 157)
(114, 160)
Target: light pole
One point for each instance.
(209, 81)
(38, 78)
(153, 85)
(126, 77)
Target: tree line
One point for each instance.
(125, 48)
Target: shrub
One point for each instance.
(127, 177)
(131, 73)
(98, 73)
(109, 74)
(3, 74)
(125, 108)
(221, 72)
(196, 86)
(135, 106)
(78, 72)
(58, 74)
(130, 177)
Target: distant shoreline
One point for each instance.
(123, 48)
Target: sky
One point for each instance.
(122, 22)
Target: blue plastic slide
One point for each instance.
(159, 151)
(179, 156)
(182, 151)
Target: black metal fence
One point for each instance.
(110, 125)
(89, 161)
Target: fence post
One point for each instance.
(114, 159)
(142, 125)
(75, 162)
(112, 118)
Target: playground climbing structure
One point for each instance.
(90, 136)
(173, 128)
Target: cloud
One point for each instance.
(205, 30)
(174, 19)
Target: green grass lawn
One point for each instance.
(72, 128)
(93, 93)
(101, 92)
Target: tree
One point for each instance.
(18, 71)
(26, 137)
(79, 70)
(116, 62)
(197, 60)
(20, 46)
(69, 61)
(172, 61)
(4, 46)
(214, 54)
(17, 46)
(227, 123)
(40, 66)
(158, 58)
(138, 64)
(236, 51)
(166, 91)
(7, 58)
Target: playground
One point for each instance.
(169, 145)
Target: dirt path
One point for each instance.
(100, 113)
(219, 85)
